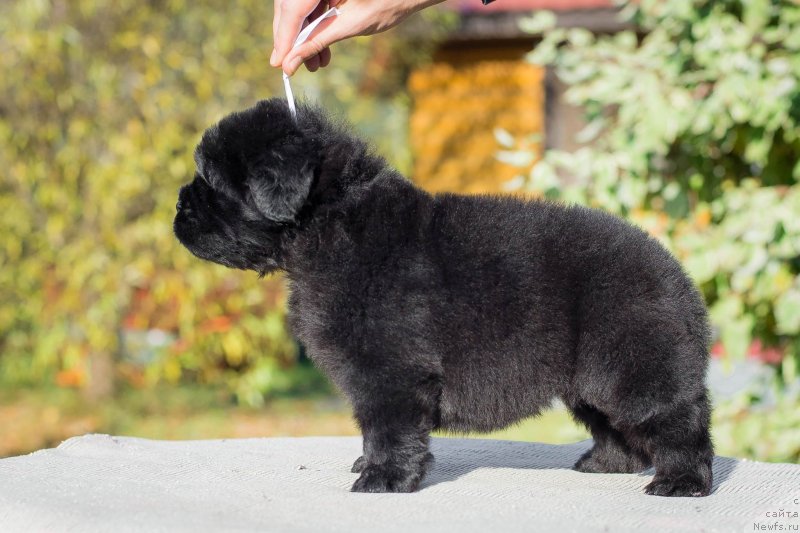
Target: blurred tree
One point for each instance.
(102, 104)
(459, 100)
(693, 132)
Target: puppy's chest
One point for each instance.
(327, 321)
(358, 299)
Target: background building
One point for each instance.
(479, 81)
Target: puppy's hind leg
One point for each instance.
(396, 420)
(610, 453)
(679, 441)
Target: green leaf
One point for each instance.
(540, 22)
(701, 266)
(736, 336)
(787, 312)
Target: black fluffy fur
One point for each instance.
(463, 313)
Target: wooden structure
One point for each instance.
(479, 81)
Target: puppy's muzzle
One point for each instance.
(183, 199)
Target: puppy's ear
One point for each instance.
(280, 181)
(281, 160)
(263, 155)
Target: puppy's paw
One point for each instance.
(359, 465)
(386, 478)
(682, 485)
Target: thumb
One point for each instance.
(327, 33)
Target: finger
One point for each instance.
(293, 13)
(276, 18)
(326, 34)
(325, 58)
(321, 8)
(312, 63)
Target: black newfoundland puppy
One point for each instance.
(463, 313)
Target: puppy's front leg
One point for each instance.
(396, 420)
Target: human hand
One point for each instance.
(356, 17)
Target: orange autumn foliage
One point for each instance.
(459, 102)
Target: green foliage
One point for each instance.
(102, 104)
(693, 132)
(763, 431)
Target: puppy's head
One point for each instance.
(254, 172)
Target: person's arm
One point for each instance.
(357, 17)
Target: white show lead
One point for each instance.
(301, 38)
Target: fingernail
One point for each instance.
(272, 58)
